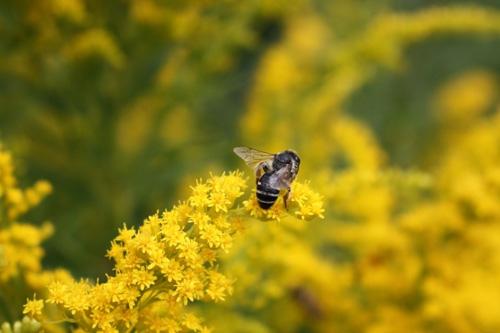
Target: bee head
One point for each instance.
(285, 158)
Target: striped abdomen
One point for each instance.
(266, 195)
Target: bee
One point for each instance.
(274, 172)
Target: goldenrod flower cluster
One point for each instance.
(169, 262)
(21, 253)
(407, 249)
(33, 307)
(16, 201)
(20, 249)
(401, 250)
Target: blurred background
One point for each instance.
(121, 105)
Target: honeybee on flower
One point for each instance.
(274, 172)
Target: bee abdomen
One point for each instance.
(266, 196)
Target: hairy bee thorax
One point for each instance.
(287, 158)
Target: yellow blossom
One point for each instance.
(188, 289)
(33, 307)
(303, 202)
(143, 278)
(170, 255)
(95, 42)
(172, 270)
(219, 287)
(199, 197)
(16, 200)
(192, 322)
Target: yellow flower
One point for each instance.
(169, 262)
(191, 322)
(466, 97)
(212, 235)
(143, 278)
(219, 287)
(310, 203)
(33, 308)
(199, 197)
(17, 201)
(303, 202)
(188, 250)
(188, 289)
(21, 251)
(160, 324)
(95, 42)
(58, 292)
(171, 256)
(172, 270)
(125, 234)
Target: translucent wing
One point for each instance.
(252, 157)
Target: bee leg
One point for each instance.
(285, 198)
(258, 173)
(261, 170)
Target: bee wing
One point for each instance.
(253, 157)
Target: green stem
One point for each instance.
(82, 320)
(148, 301)
(3, 212)
(5, 309)
(64, 320)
